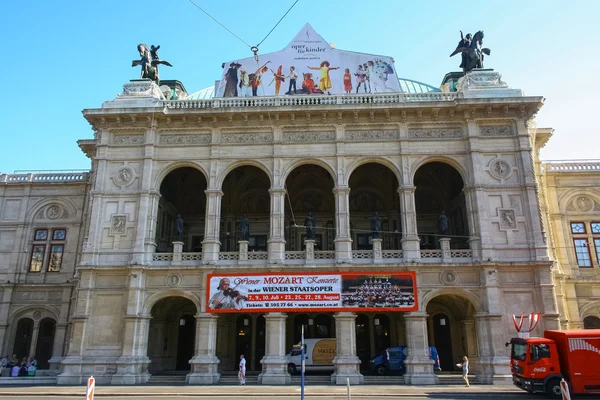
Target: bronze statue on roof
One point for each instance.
(149, 61)
(471, 50)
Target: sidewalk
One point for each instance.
(257, 391)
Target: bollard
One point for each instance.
(348, 387)
(89, 393)
(564, 390)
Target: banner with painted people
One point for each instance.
(308, 66)
(300, 291)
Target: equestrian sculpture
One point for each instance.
(471, 50)
(149, 61)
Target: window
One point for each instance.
(581, 243)
(48, 242)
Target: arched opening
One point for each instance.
(324, 326)
(172, 335)
(441, 206)
(45, 342)
(182, 193)
(591, 323)
(310, 193)
(374, 206)
(451, 329)
(243, 339)
(23, 337)
(246, 202)
(381, 332)
(261, 334)
(363, 340)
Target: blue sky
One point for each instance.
(61, 57)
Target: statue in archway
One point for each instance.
(309, 223)
(443, 223)
(376, 226)
(244, 228)
(179, 228)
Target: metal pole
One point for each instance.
(302, 365)
(348, 387)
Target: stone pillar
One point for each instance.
(243, 249)
(274, 371)
(346, 362)
(177, 250)
(411, 247)
(211, 246)
(205, 364)
(377, 256)
(57, 347)
(551, 316)
(445, 246)
(34, 339)
(276, 242)
(419, 368)
(132, 366)
(309, 245)
(343, 240)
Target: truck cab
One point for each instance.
(535, 365)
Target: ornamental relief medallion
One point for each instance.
(508, 220)
(118, 225)
(449, 278)
(129, 140)
(500, 169)
(54, 211)
(435, 133)
(124, 176)
(309, 136)
(496, 130)
(583, 203)
(184, 139)
(246, 138)
(382, 134)
(174, 280)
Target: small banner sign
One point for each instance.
(301, 291)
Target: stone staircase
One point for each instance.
(455, 379)
(168, 378)
(384, 380)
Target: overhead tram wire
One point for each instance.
(254, 49)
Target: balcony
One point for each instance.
(45, 176)
(572, 166)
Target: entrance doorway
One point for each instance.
(172, 335)
(443, 341)
(23, 338)
(45, 342)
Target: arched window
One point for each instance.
(591, 323)
(23, 338)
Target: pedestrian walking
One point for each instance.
(242, 371)
(465, 370)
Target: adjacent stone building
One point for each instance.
(138, 235)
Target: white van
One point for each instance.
(318, 353)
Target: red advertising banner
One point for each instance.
(312, 291)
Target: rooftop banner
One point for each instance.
(308, 66)
(310, 292)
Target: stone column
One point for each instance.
(309, 246)
(276, 242)
(419, 368)
(243, 250)
(551, 316)
(177, 250)
(57, 347)
(346, 362)
(343, 240)
(132, 366)
(445, 246)
(204, 365)
(34, 339)
(377, 257)
(211, 245)
(274, 371)
(411, 247)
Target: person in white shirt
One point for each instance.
(242, 371)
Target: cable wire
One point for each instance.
(286, 13)
(226, 28)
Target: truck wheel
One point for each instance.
(553, 388)
(380, 370)
(291, 369)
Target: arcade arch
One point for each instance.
(439, 190)
(451, 322)
(245, 194)
(172, 334)
(182, 193)
(373, 194)
(310, 192)
(591, 323)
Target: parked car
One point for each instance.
(391, 361)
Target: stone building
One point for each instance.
(173, 181)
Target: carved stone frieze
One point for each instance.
(118, 224)
(435, 133)
(309, 136)
(129, 140)
(368, 135)
(247, 138)
(496, 130)
(500, 169)
(508, 220)
(141, 89)
(184, 139)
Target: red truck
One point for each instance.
(538, 364)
